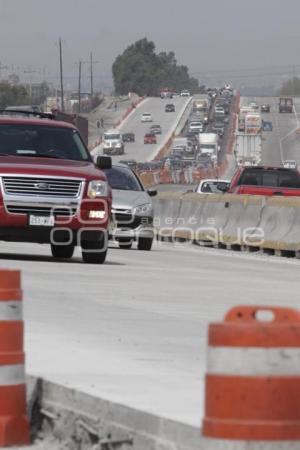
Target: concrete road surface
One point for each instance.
(168, 121)
(134, 330)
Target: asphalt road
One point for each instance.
(168, 121)
(134, 330)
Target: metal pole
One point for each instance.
(61, 77)
(92, 87)
(79, 88)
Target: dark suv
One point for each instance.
(170, 107)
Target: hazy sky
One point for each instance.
(206, 35)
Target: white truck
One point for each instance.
(253, 123)
(244, 110)
(248, 149)
(209, 145)
(113, 143)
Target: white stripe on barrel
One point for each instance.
(12, 375)
(223, 444)
(11, 311)
(250, 361)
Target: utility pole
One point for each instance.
(61, 77)
(79, 88)
(92, 87)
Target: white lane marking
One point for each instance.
(11, 310)
(284, 361)
(12, 375)
(227, 444)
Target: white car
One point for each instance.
(219, 111)
(211, 186)
(196, 126)
(185, 93)
(146, 117)
(253, 105)
(290, 164)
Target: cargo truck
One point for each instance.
(285, 105)
(248, 149)
(209, 145)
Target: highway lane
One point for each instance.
(283, 142)
(134, 330)
(168, 121)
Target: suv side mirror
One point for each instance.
(104, 162)
(152, 192)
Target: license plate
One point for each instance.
(41, 221)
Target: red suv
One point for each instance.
(150, 138)
(265, 181)
(50, 189)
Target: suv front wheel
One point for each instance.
(94, 247)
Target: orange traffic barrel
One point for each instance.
(14, 425)
(252, 394)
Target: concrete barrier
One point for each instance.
(250, 221)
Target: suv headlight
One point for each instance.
(140, 210)
(118, 144)
(97, 188)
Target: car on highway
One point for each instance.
(219, 111)
(132, 209)
(150, 138)
(146, 117)
(212, 186)
(253, 105)
(267, 181)
(170, 107)
(290, 164)
(266, 126)
(265, 108)
(128, 137)
(113, 143)
(51, 190)
(195, 127)
(218, 127)
(155, 129)
(185, 93)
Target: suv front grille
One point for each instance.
(42, 210)
(42, 187)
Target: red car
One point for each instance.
(51, 190)
(150, 138)
(265, 181)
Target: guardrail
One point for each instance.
(239, 222)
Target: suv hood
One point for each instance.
(129, 199)
(49, 167)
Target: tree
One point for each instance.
(290, 87)
(12, 95)
(139, 69)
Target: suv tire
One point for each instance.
(62, 251)
(90, 243)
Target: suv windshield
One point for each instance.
(42, 141)
(122, 179)
(278, 178)
(115, 137)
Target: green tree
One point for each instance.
(290, 87)
(139, 69)
(12, 95)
